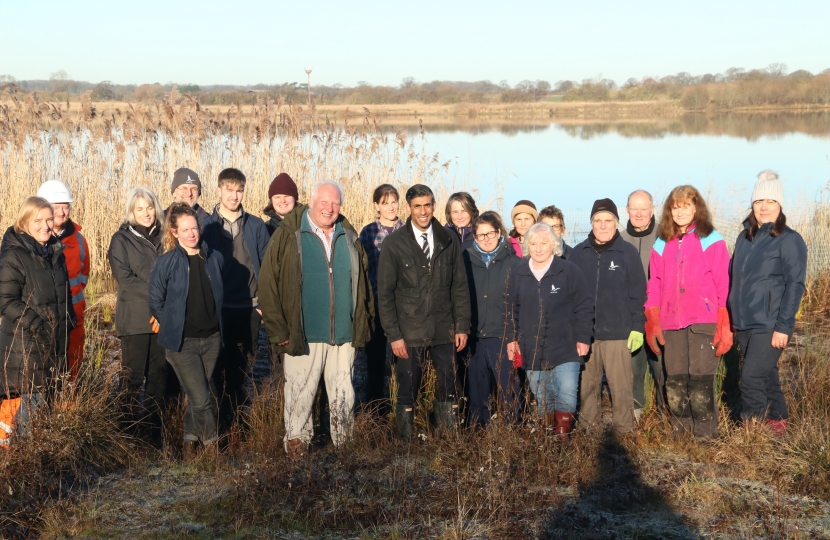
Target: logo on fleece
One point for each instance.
(613, 266)
(554, 289)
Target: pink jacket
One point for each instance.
(517, 247)
(689, 279)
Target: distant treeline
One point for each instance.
(736, 87)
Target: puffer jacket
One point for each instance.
(689, 279)
(280, 286)
(619, 287)
(488, 290)
(169, 285)
(36, 311)
(423, 303)
(768, 277)
(552, 315)
(131, 257)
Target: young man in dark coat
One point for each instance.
(612, 267)
(242, 239)
(424, 305)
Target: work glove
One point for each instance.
(635, 340)
(517, 360)
(723, 333)
(654, 334)
(154, 324)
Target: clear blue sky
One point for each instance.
(261, 41)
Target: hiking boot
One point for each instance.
(190, 450)
(296, 449)
(778, 427)
(405, 421)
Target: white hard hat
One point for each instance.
(55, 191)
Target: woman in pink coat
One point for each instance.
(686, 309)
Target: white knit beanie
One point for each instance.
(768, 186)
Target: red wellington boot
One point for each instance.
(779, 427)
(564, 424)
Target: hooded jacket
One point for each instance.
(131, 257)
(423, 302)
(619, 287)
(169, 284)
(488, 290)
(689, 279)
(768, 275)
(550, 316)
(281, 283)
(36, 311)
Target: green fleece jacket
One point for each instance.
(281, 285)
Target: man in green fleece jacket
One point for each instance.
(318, 308)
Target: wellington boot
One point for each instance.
(564, 425)
(405, 421)
(778, 427)
(446, 415)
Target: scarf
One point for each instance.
(640, 234)
(602, 247)
(488, 256)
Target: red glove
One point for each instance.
(517, 360)
(654, 334)
(723, 333)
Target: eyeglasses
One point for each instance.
(488, 235)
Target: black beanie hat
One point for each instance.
(604, 205)
(185, 176)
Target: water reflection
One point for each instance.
(749, 126)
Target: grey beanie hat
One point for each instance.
(185, 176)
(768, 186)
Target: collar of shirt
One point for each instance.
(430, 238)
(321, 234)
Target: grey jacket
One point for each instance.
(644, 244)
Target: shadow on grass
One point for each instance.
(618, 504)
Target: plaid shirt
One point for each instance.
(371, 237)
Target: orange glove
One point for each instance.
(654, 334)
(517, 360)
(723, 333)
(154, 324)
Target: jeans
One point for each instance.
(194, 365)
(556, 389)
(761, 395)
(409, 371)
(489, 364)
(233, 371)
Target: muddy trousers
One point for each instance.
(691, 365)
(232, 376)
(614, 356)
(761, 395)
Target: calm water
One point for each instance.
(572, 164)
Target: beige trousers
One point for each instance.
(302, 375)
(614, 356)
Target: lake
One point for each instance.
(570, 164)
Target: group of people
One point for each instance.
(534, 323)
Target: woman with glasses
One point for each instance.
(686, 309)
(489, 263)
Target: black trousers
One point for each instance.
(236, 361)
(142, 357)
(379, 359)
(409, 372)
(489, 365)
(761, 394)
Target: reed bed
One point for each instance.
(101, 156)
